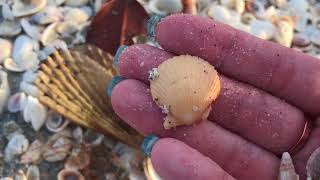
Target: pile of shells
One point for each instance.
(31, 30)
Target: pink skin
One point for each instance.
(284, 72)
(179, 162)
(267, 116)
(132, 101)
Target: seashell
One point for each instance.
(6, 178)
(33, 173)
(87, 9)
(315, 37)
(30, 30)
(76, 16)
(17, 102)
(33, 153)
(224, 15)
(71, 93)
(149, 170)
(49, 34)
(29, 76)
(77, 134)
(301, 21)
(4, 90)
(284, 33)
(255, 7)
(66, 174)
(29, 89)
(48, 15)
(7, 13)
(193, 101)
(238, 5)
(165, 7)
(9, 28)
(92, 138)
(23, 8)
(298, 6)
(55, 122)
(279, 3)
(262, 29)
(16, 145)
(58, 148)
(6, 49)
(20, 175)
(313, 164)
(35, 113)
(79, 158)
(55, 2)
(287, 171)
(23, 55)
(76, 3)
(66, 28)
(246, 18)
(10, 128)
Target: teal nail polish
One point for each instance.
(148, 143)
(118, 53)
(152, 23)
(114, 81)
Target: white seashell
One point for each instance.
(287, 171)
(20, 175)
(49, 34)
(4, 90)
(87, 9)
(76, 16)
(165, 7)
(315, 37)
(224, 15)
(77, 134)
(284, 33)
(9, 28)
(6, 49)
(33, 153)
(23, 8)
(30, 30)
(149, 170)
(97, 4)
(238, 5)
(7, 13)
(24, 55)
(271, 13)
(301, 21)
(178, 91)
(33, 173)
(58, 150)
(16, 145)
(313, 164)
(256, 8)
(70, 174)
(55, 2)
(262, 29)
(55, 122)
(6, 178)
(66, 28)
(10, 128)
(246, 18)
(17, 102)
(48, 15)
(93, 138)
(76, 3)
(242, 27)
(35, 113)
(298, 6)
(279, 3)
(47, 51)
(29, 76)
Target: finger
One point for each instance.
(300, 159)
(284, 72)
(132, 101)
(173, 159)
(243, 109)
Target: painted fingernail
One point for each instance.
(118, 53)
(152, 24)
(114, 81)
(148, 143)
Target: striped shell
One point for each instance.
(184, 88)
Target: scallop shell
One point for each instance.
(287, 171)
(4, 90)
(185, 89)
(23, 8)
(66, 174)
(65, 83)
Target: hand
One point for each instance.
(249, 126)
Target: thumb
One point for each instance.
(173, 159)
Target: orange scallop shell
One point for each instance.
(184, 88)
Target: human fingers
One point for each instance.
(243, 109)
(284, 72)
(173, 159)
(132, 101)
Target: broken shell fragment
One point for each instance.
(287, 171)
(33, 173)
(4, 90)
(49, 34)
(313, 164)
(34, 153)
(30, 30)
(6, 49)
(66, 174)
(17, 102)
(185, 89)
(16, 145)
(79, 158)
(29, 89)
(35, 113)
(284, 33)
(55, 122)
(23, 8)
(9, 28)
(58, 147)
(165, 7)
(49, 14)
(76, 3)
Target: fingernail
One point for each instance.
(114, 81)
(152, 24)
(148, 143)
(118, 53)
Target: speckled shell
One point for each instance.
(184, 89)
